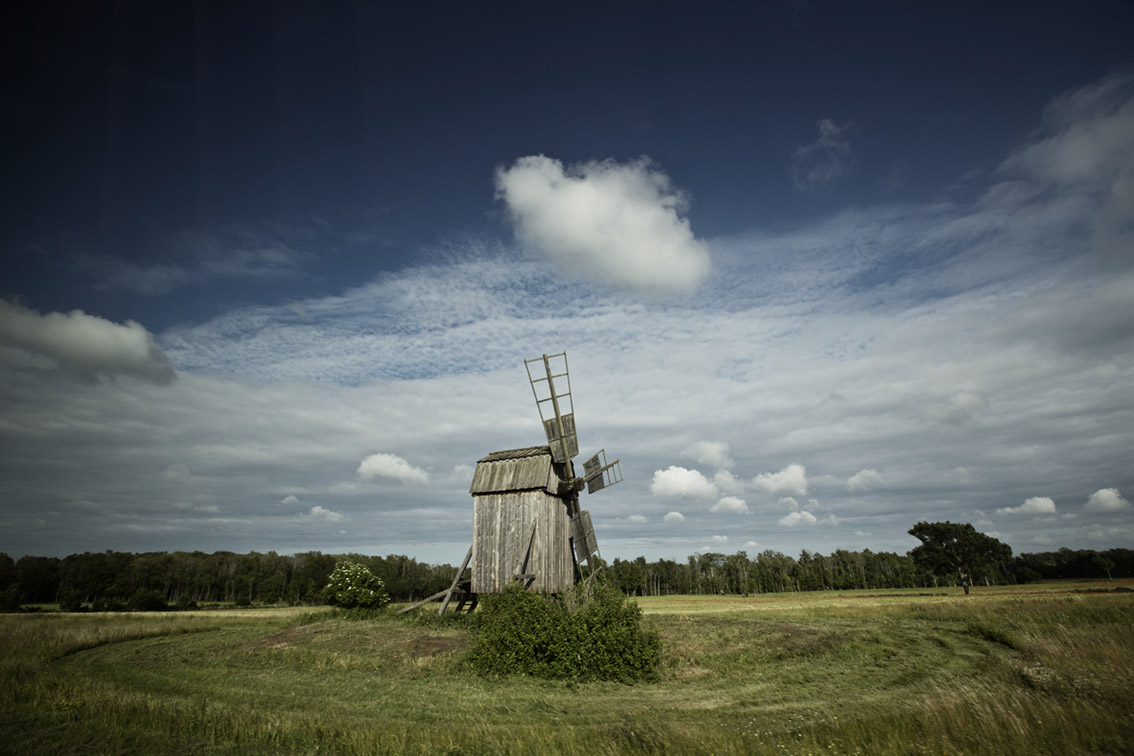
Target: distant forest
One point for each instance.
(117, 580)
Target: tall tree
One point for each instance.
(957, 548)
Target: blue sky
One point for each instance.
(822, 271)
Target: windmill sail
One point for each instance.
(599, 474)
(551, 387)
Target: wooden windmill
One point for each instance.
(527, 523)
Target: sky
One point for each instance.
(821, 271)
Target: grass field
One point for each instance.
(1026, 670)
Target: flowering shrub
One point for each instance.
(352, 586)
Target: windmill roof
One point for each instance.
(530, 451)
(515, 470)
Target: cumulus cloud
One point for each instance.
(824, 160)
(392, 468)
(637, 518)
(730, 505)
(677, 481)
(714, 453)
(1035, 505)
(673, 517)
(793, 519)
(289, 500)
(727, 483)
(320, 513)
(1106, 500)
(864, 480)
(85, 344)
(790, 480)
(621, 224)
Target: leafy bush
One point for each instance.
(352, 586)
(10, 599)
(71, 601)
(145, 600)
(591, 635)
(108, 604)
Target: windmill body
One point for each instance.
(527, 524)
(521, 526)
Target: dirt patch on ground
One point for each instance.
(800, 640)
(287, 637)
(436, 645)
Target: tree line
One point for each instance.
(774, 572)
(111, 579)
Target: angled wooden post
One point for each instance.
(456, 579)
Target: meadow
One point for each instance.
(1045, 669)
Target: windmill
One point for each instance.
(527, 522)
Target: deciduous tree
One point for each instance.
(957, 548)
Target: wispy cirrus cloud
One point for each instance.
(826, 159)
(244, 252)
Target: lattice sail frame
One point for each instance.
(599, 474)
(551, 400)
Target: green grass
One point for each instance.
(1028, 670)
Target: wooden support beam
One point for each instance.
(434, 597)
(456, 579)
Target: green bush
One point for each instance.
(145, 600)
(352, 586)
(110, 604)
(10, 599)
(71, 601)
(584, 635)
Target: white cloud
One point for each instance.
(673, 517)
(730, 505)
(619, 224)
(1034, 505)
(791, 480)
(789, 502)
(390, 467)
(1106, 500)
(719, 539)
(320, 513)
(727, 483)
(793, 519)
(864, 480)
(85, 344)
(1085, 148)
(289, 500)
(637, 518)
(750, 544)
(677, 481)
(824, 160)
(713, 453)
